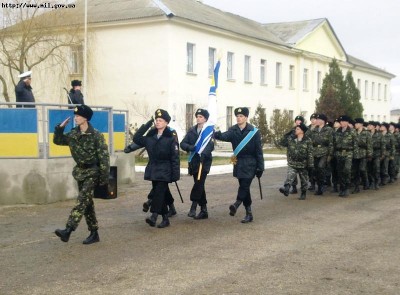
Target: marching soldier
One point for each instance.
(300, 158)
(247, 159)
(322, 139)
(395, 147)
(388, 140)
(90, 152)
(345, 145)
(311, 127)
(188, 144)
(163, 166)
(378, 151)
(359, 166)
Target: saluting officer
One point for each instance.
(163, 166)
(247, 158)
(23, 90)
(90, 152)
(188, 144)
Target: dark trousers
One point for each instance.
(344, 170)
(373, 168)
(359, 171)
(244, 191)
(159, 205)
(169, 199)
(320, 169)
(198, 193)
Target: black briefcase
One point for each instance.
(110, 190)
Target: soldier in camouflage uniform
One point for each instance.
(322, 140)
(378, 150)
(345, 145)
(388, 140)
(300, 159)
(311, 127)
(360, 158)
(393, 158)
(397, 155)
(90, 152)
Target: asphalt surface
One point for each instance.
(323, 245)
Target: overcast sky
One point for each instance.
(367, 29)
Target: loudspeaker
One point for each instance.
(110, 190)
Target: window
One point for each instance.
(366, 89)
(189, 116)
(365, 117)
(263, 68)
(278, 74)
(229, 113)
(211, 61)
(77, 59)
(230, 64)
(359, 84)
(385, 92)
(379, 117)
(372, 117)
(379, 91)
(291, 77)
(319, 81)
(305, 80)
(247, 68)
(384, 118)
(372, 90)
(291, 115)
(190, 48)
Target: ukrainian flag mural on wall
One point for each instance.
(19, 133)
(119, 131)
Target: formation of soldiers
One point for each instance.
(345, 155)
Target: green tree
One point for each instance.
(332, 94)
(351, 99)
(281, 122)
(260, 121)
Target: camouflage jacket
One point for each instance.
(390, 145)
(345, 143)
(322, 140)
(89, 151)
(378, 146)
(364, 139)
(397, 142)
(299, 153)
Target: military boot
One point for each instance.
(203, 214)
(356, 189)
(303, 195)
(152, 219)
(366, 185)
(164, 222)
(249, 215)
(376, 185)
(192, 211)
(285, 189)
(64, 234)
(146, 205)
(233, 208)
(319, 191)
(171, 210)
(312, 187)
(334, 188)
(92, 238)
(294, 189)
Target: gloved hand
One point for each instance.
(150, 123)
(259, 173)
(217, 134)
(127, 149)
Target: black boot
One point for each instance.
(376, 185)
(171, 211)
(192, 211)
(146, 205)
(311, 187)
(249, 215)
(152, 219)
(92, 238)
(285, 189)
(203, 214)
(164, 222)
(64, 234)
(319, 191)
(366, 185)
(294, 190)
(356, 189)
(334, 189)
(233, 208)
(303, 195)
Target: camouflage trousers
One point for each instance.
(344, 170)
(320, 167)
(359, 172)
(292, 175)
(373, 168)
(84, 206)
(385, 170)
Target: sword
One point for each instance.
(179, 191)
(259, 185)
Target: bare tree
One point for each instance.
(35, 32)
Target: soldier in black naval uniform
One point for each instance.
(198, 194)
(248, 162)
(163, 166)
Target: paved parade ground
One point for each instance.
(323, 245)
